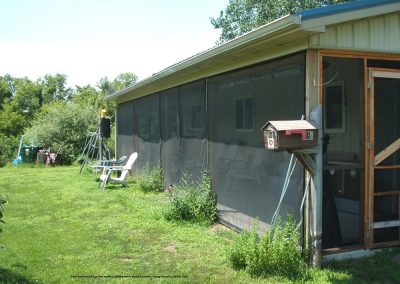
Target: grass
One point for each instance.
(58, 225)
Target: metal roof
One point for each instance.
(286, 35)
(344, 7)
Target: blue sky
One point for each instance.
(90, 39)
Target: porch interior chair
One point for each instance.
(108, 170)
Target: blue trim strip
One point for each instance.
(340, 8)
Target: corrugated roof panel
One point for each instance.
(392, 25)
(345, 36)
(377, 33)
(361, 28)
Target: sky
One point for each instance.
(91, 39)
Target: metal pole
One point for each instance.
(316, 193)
(100, 141)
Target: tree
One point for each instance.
(107, 87)
(27, 97)
(122, 81)
(19, 98)
(242, 16)
(63, 127)
(12, 121)
(53, 88)
(19, 108)
(52, 114)
(88, 95)
(5, 90)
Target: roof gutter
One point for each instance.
(283, 24)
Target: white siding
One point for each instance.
(379, 34)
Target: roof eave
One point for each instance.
(304, 24)
(283, 24)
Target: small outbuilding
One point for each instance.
(205, 113)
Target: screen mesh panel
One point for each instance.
(247, 177)
(125, 129)
(214, 125)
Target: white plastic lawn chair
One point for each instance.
(107, 171)
(100, 165)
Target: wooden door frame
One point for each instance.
(368, 194)
(380, 73)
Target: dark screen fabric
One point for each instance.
(125, 129)
(147, 131)
(193, 142)
(248, 178)
(214, 124)
(170, 149)
(183, 132)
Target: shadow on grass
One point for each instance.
(115, 186)
(9, 276)
(381, 268)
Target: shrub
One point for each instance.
(277, 253)
(150, 179)
(63, 127)
(193, 201)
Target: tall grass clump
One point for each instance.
(277, 253)
(193, 201)
(150, 179)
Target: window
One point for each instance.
(244, 118)
(334, 107)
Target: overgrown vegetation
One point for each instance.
(49, 111)
(63, 127)
(193, 201)
(277, 253)
(150, 179)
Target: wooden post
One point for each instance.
(314, 200)
(307, 217)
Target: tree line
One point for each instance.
(50, 114)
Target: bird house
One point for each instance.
(289, 134)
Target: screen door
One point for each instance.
(384, 160)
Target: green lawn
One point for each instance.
(59, 225)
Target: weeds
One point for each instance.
(193, 201)
(150, 179)
(276, 253)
